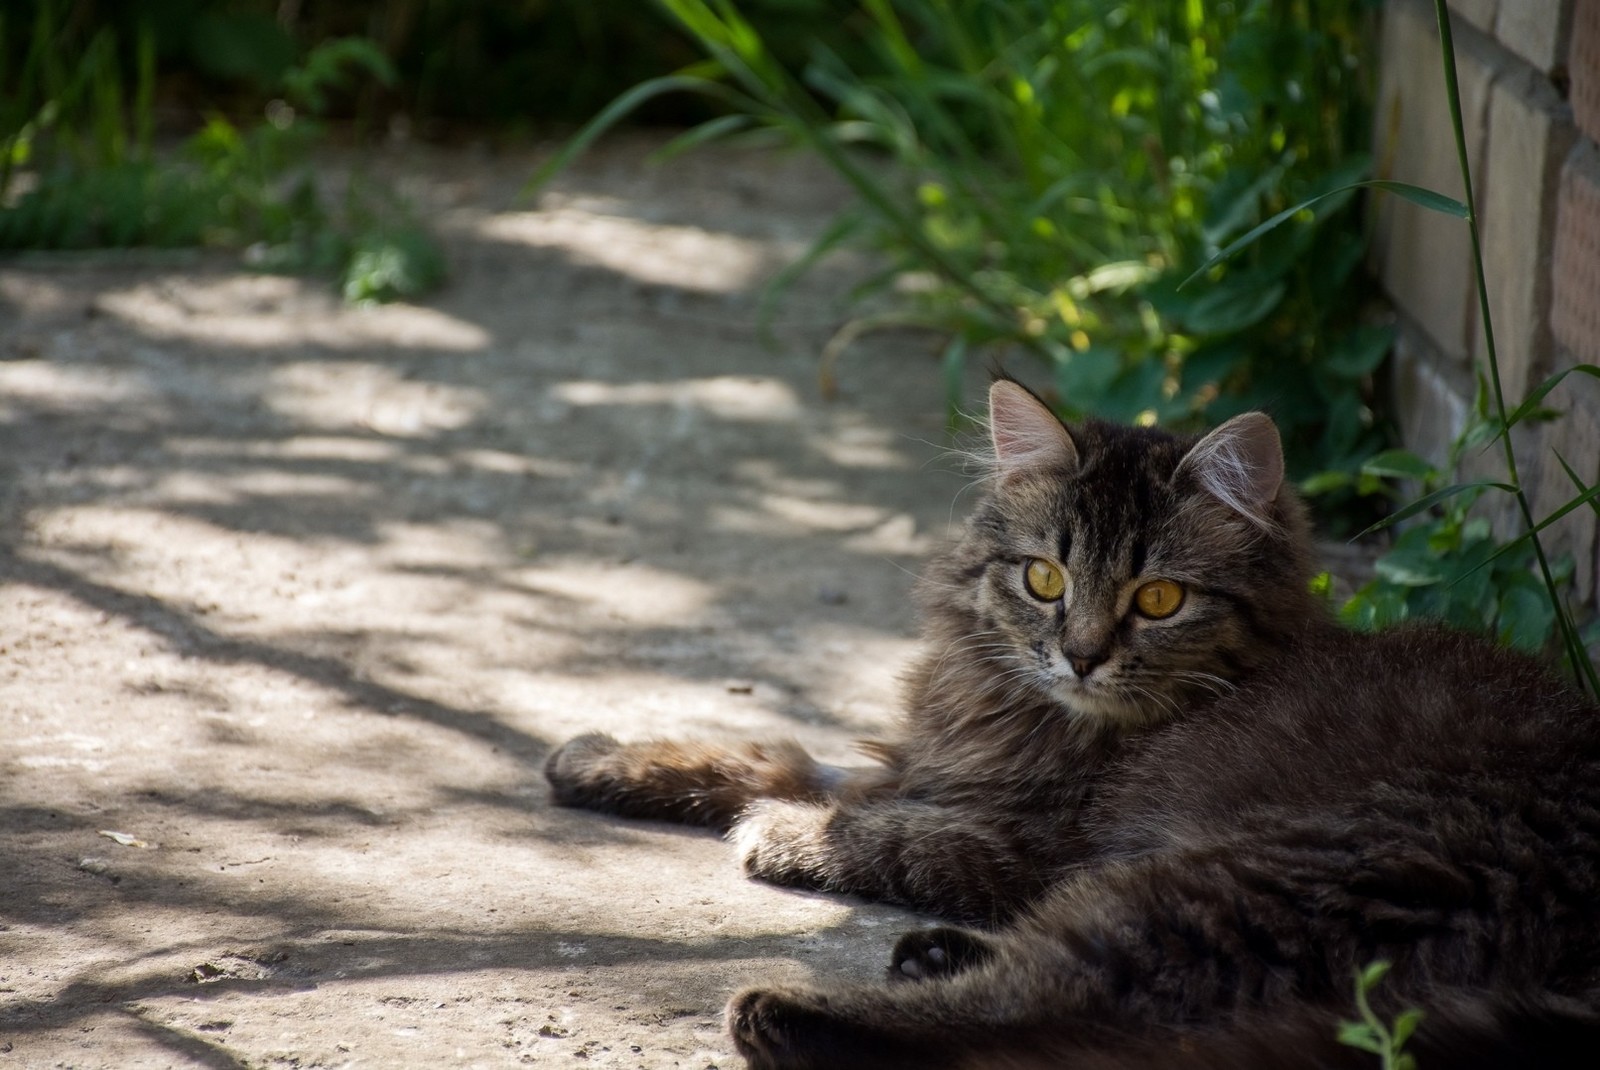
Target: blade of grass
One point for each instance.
(1577, 481)
(1537, 394)
(620, 109)
(1427, 501)
(1570, 638)
(838, 232)
(1427, 198)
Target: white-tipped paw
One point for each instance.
(782, 842)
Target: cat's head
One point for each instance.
(1124, 572)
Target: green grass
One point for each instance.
(1446, 562)
(1051, 170)
(1160, 202)
(79, 170)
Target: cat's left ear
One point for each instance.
(1241, 464)
(1026, 435)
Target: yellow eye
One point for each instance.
(1045, 581)
(1158, 599)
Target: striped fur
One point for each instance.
(1178, 856)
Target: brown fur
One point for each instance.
(1198, 838)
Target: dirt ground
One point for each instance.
(295, 598)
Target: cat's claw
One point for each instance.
(929, 954)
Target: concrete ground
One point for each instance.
(296, 597)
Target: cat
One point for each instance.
(1170, 805)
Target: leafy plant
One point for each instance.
(1041, 169)
(1497, 422)
(1371, 1033)
(82, 141)
(1450, 566)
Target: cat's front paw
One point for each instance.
(783, 842)
(929, 954)
(573, 769)
(778, 1028)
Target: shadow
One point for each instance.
(190, 1048)
(321, 586)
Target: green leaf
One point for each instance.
(1438, 202)
(838, 232)
(1360, 1035)
(619, 109)
(1526, 615)
(1233, 307)
(1405, 1023)
(1427, 198)
(1577, 481)
(954, 366)
(1082, 379)
(695, 136)
(1532, 533)
(1428, 501)
(1358, 353)
(1537, 394)
(1399, 464)
(1414, 566)
(1325, 482)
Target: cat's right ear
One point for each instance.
(1026, 435)
(1241, 464)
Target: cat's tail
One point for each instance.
(1458, 1031)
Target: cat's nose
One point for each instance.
(1084, 664)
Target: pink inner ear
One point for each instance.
(1026, 435)
(1241, 463)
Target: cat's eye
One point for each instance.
(1045, 581)
(1158, 599)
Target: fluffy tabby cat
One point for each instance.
(1175, 806)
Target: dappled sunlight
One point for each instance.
(300, 597)
(631, 594)
(861, 447)
(29, 384)
(683, 257)
(329, 396)
(726, 397)
(253, 311)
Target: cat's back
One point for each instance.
(1420, 727)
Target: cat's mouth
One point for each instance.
(1099, 697)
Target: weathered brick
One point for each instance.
(1530, 135)
(1537, 30)
(1583, 64)
(1478, 12)
(1575, 290)
(1432, 395)
(1425, 258)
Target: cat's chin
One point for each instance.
(1105, 707)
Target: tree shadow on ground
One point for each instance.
(564, 477)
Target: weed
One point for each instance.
(1371, 1033)
(78, 170)
(1043, 168)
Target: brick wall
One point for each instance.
(1529, 75)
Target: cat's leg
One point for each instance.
(859, 1027)
(1105, 959)
(695, 783)
(947, 861)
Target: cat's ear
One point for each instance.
(1026, 434)
(1241, 464)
